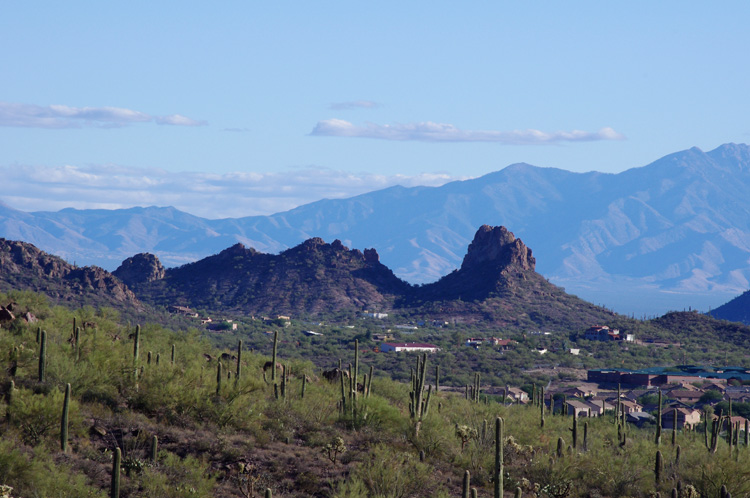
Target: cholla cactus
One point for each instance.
(466, 434)
(334, 448)
(5, 491)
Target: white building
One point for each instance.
(398, 347)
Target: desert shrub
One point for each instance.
(178, 478)
(35, 475)
(38, 415)
(392, 473)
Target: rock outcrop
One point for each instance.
(23, 266)
(143, 267)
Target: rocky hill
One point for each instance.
(736, 310)
(24, 267)
(497, 282)
(312, 277)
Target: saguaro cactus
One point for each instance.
(658, 466)
(466, 484)
(173, 353)
(239, 362)
(114, 488)
(541, 406)
(275, 351)
(137, 343)
(42, 356)
(499, 438)
(219, 376)
(658, 422)
(418, 406)
(64, 420)
(574, 429)
(154, 447)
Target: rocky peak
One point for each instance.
(143, 267)
(497, 246)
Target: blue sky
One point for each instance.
(242, 108)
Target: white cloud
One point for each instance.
(62, 116)
(178, 120)
(441, 132)
(210, 195)
(357, 104)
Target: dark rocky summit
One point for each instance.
(23, 266)
(143, 267)
(496, 283)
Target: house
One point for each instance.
(716, 386)
(684, 395)
(378, 316)
(686, 417)
(382, 337)
(474, 342)
(578, 407)
(517, 394)
(627, 406)
(503, 344)
(639, 419)
(399, 347)
(311, 333)
(183, 310)
(601, 333)
(578, 392)
(599, 408)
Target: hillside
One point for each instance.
(668, 235)
(23, 266)
(736, 310)
(496, 283)
(190, 420)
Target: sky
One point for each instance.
(230, 109)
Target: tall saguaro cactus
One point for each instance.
(43, 356)
(219, 376)
(418, 406)
(239, 363)
(114, 488)
(136, 350)
(64, 420)
(541, 406)
(658, 422)
(499, 471)
(275, 351)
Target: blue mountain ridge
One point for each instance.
(668, 235)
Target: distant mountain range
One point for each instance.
(669, 235)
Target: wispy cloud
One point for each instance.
(441, 132)
(237, 194)
(62, 116)
(357, 104)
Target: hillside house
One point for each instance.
(517, 395)
(401, 347)
(628, 406)
(639, 419)
(378, 316)
(183, 310)
(686, 417)
(578, 407)
(599, 408)
(604, 333)
(684, 396)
